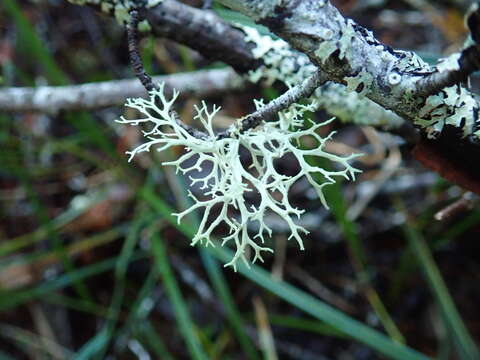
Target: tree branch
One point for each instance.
(270, 110)
(345, 51)
(215, 39)
(296, 93)
(462, 66)
(51, 99)
(203, 31)
(459, 66)
(135, 59)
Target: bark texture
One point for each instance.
(347, 52)
(51, 99)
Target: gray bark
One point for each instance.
(343, 50)
(51, 99)
(216, 39)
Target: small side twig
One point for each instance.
(139, 69)
(267, 112)
(465, 203)
(271, 109)
(468, 61)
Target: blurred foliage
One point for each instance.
(93, 266)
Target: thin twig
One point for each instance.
(145, 79)
(465, 203)
(267, 112)
(135, 59)
(271, 109)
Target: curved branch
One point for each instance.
(135, 59)
(343, 50)
(203, 31)
(214, 38)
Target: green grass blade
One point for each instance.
(11, 299)
(308, 325)
(76, 304)
(338, 207)
(138, 320)
(30, 342)
(216, 277)
(93, 346)
(92, 130)
(137, 313)
(324, 312)
(55, 241)
(463, 341)
(31, 45)
(296, 297)
(148, 336)
(16, 244)
(96, 346)
(235, 17)
(233, 315)
(185, 323)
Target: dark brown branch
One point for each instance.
(203, 31)
(135, 59)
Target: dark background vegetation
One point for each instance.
(93, 266)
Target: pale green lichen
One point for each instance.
(326, 49)
(227, 182)
(409, 62)
(280, 61)
(347, 37)
(341, 42)
(255, 9)
(450, 63)
(362, 80)
(452, 106)
(349, 106)
(284, 64)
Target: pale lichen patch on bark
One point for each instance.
(359, 83)
(453, 106)
(282, 63)
(449, 63)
